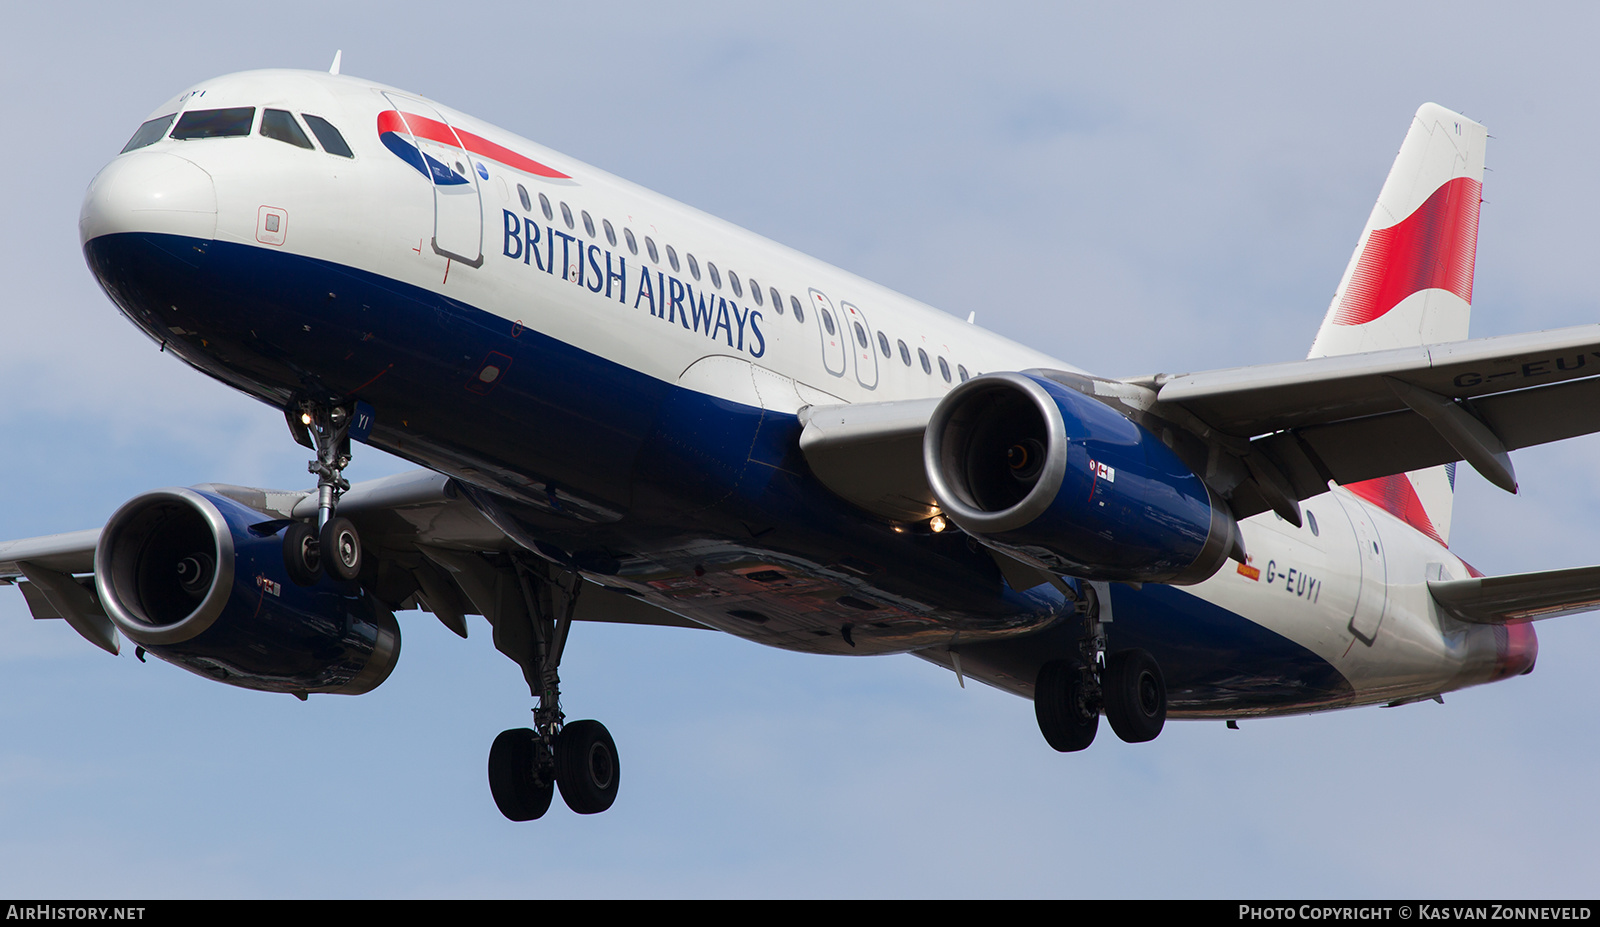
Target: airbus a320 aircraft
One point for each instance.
(630, 411)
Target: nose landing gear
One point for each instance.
(333, 546)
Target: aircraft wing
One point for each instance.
(1519, 597)
(1278, 433)
(1359, 416)
(435, 548)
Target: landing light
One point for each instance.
(305, 418)
(936, 524)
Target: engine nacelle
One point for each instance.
(183, 574)
(1060, 480)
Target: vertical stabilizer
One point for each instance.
(1409, 281)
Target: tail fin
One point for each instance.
(1409, 281)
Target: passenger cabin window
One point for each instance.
(588, 223)
(149, 132)
(280, 124)
(633, 246)
(716, 278)
(777, 301)
(566, 214)
(522, 194)
(799, 311)
(905, 352)
(544, 204)
(215, 123)
(944, 369)
(332, 142)
(755, 292)
(694, 266)
(733, 281)
(883, 343)
(923, 356)
(650, 246)
(962, 371)
(611, 234)
(672, 257)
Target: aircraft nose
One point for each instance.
(149, 191)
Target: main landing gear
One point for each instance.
(1070, 694)
(333, 546)
(527, 766)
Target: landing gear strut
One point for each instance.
(333, 546)
(526, 766)
(1069, 694)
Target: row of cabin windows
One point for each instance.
(733, 281)
(655, 253)
(236, 121)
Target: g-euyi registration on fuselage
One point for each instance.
(631, 411)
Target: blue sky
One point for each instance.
(1160, 187)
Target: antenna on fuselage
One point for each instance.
(334, 68)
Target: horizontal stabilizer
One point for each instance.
(1519, 597)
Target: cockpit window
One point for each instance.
(332, 142)
(215, 123)
(279, 124)
(149, 133)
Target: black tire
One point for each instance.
(341, 549)
(302, 554)
(1135, 696)
(1067, 723)
(512, 779)
(586, 767)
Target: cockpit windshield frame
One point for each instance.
(232, 122)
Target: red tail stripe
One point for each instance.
(1433, 248)
(436, 131)
(1398, 497)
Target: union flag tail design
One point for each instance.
(1409, 282)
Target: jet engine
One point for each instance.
(1057, 479)
(199, 580)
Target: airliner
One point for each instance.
(627, 410)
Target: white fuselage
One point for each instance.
(1350, 586)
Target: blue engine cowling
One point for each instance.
(185, 575)
(1060, 480)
